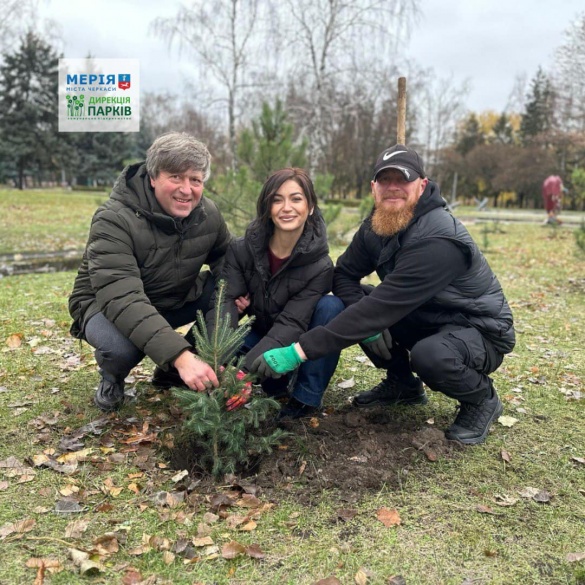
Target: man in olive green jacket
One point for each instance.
(141, 275)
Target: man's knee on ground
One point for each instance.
(428, 358)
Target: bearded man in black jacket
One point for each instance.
(439, 310)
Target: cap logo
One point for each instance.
(391, 154)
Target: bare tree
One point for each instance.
(224, 36)
(570, 76)
(440, 106)
(517, 97)
(341, 43)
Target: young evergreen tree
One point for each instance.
(269, 144)
(227, 424)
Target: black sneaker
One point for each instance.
(164, 380)
(294, 409)
(109, 395)
(392, 391)
(473, 422)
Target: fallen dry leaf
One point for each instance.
(43, 565)
(86, 566)
(179, 476)
(346, 514)
(106, 544)
(346, 384)
(388, 517)
(75, 456)
(13, 463)
(110, 489)
(132, 577)
(234, 520)
(575, 557)
(529, 492)
(68, 506)
(14, 341)
(210, 518)
(507, 421)
(328, 581)
(542, 497)
(249, 526)
(52, 565)
(505, 500)
(168, 557)
(579, 460)
(484, 509)
(133, 487)
(69, 490)
(232, 549)
(255, 552)
(361, 578)
(505, 456)
(19, 527)
(76, 528)
(249, 501)
(204, 541)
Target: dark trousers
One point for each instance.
(116, 355)
(453, 360)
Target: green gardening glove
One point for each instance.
(276, 362)
(380, 344)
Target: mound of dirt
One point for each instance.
(349, 451)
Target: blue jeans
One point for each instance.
(313, 376)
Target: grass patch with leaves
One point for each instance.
(511, 511)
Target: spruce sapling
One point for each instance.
(226, 439)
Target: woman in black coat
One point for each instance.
(282, 265)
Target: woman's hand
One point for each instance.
(242, 303)
(276, 362)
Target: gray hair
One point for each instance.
(177, 152)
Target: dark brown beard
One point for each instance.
(387, 222)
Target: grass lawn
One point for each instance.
(511, 511)
(45, 220)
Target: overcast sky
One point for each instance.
(488, 42)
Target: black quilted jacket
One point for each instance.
(282, 304)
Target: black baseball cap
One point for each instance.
(402, 158)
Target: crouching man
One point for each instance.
(439, 310)
(141, 274)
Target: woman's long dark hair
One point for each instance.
(271, 187)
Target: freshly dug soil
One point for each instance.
(351, 451)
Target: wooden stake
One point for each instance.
(401, 121)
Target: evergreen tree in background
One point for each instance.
(538, 117)
(28, 109)
(470, 135)
(225, 428)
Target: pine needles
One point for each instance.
(226, 440)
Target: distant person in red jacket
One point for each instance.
(552, 197)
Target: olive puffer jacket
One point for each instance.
(139, 261)
(282, 304)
